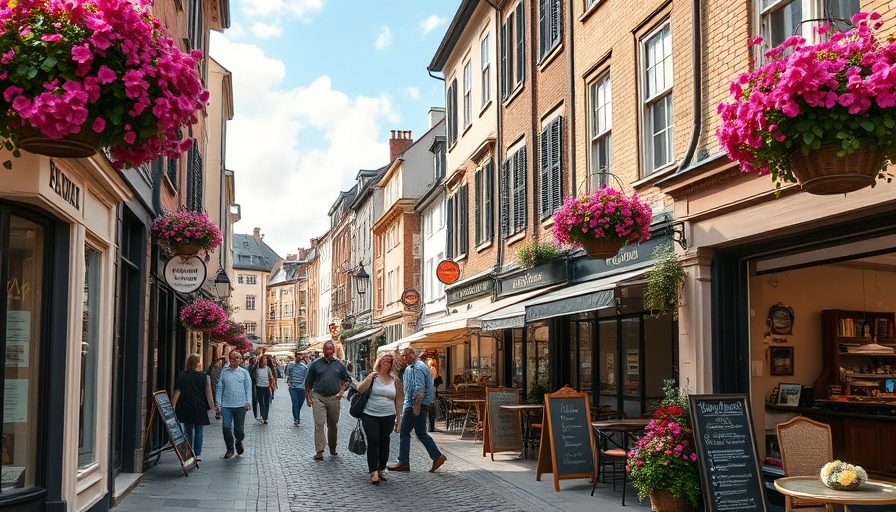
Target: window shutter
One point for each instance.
(543, 21)
(544, 140)
(520, 39)
(449, 115)
(464, 221)
(505, 197)
(449, 230)
(520, 214)
(505, 70)
(487, 202)
(452, 106)
(557, 167)
(556, 23)
(477, 204)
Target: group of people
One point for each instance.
(395, 403)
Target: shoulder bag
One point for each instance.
(358, 401)
(356, 442)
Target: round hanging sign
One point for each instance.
(447, 271)
(410, 297)
(185, 274)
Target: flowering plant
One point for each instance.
(534, 253)
(837, 92)
(229, 332)
(102, 68)
(186, 227)
(605, 214)
(203, 315)
(842, 476)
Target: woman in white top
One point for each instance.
(265, 384)
(382, 414)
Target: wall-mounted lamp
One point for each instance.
(362, 279)
(222, 284)
(676, 231)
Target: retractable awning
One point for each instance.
(579, 298)
(510, 317)
(365, 334)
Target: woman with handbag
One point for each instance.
(382, 414)
(191, 401)
(265, 384)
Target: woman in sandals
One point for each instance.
(381, 415)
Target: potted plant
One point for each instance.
(664, 283)
(603, 222)
(185, 233)
(817, 114)
(202, 315)
(534, 253)
(81, 74)
(663, 464)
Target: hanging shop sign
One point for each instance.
(628, 256)
(554, 272)
(185, 274)
(448, 271)
(478, 288)
(411, 299)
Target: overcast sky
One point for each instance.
(318, 85)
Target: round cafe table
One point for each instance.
(872, 492)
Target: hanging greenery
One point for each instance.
(664, 283)
(534, 253)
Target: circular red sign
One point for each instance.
(448, 271)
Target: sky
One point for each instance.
(318, 85)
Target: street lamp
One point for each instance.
(222, 284)
(362, 279)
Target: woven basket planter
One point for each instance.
(78, 145)
(184, 249)
(822, 172)
(603, 248)
(663, 501)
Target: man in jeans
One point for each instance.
(296, 372)
(326, 381)
(419, 394)
(233, 397)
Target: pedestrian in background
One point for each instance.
(381, 415)
(192, 400)
(296, 372)
(419, 393)
(214, 372)
(325, 384)
(252, 368)
(233, 399)
(265, 383)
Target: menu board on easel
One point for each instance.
(501, 428)
(179, 442)
(567, 442)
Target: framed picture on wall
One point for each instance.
(780, 360)
(789, 394)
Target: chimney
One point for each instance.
(292, 257)
(399, 143)
(257, 234)
(436, 114)
(313, 243)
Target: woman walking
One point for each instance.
(382, 414)
(192, 400)
(265, 384)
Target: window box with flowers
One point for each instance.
(185, 233)
(82, 74)
(203, 315)
(820, 115)
(603, 222)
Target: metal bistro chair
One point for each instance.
(610, 453)
(805, 447)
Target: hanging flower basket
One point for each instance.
(820, 115)
(184, 249)
(76, 75)
(663, 501)
(228, 332)
(186, 233)
(603, 222)
(203, 315)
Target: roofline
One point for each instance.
(455, 29)
(430, 195)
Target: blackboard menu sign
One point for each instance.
(726, 450)
(501, 427)
(567, 442)
(175, 433)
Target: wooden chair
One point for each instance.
(610, 454)
(805, 447)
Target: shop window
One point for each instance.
(538, 357)
(23, 276)
(518, 366)
(483, 362)
(89, 352)
(581, 374)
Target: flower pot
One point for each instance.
(663, 501)
(822, 172)
(602, 248)
(184, 249)
(78, 145)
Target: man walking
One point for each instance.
(419, 393)
(326, 381)
(296, 372)
(233, 397)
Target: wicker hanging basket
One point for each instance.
(602, 248)
(78, 145)
(663, 501)
(184, 249)
(822, 172)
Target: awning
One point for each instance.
(510, 317)
(579, 298)
(365, 334)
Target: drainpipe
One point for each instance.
(572, 101)
(496, 205)
(695, 64)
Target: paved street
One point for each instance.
(277, 473)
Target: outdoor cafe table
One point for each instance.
(627, 427)
(472, 403)
(871, 492)
(523, 410)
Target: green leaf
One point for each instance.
(889, 122)
(808, 137)
(8, 164)
(817, 130)
(16, 153)
(49, 63)
(803, 125)
(867, 125)
(32, 72)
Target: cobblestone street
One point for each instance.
(277, 473)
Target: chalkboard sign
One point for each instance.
(567, 440)
(501, 427)
(178, 440)
(726, 450)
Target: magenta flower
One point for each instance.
(183, 226)
(607, 213)
(203, 315)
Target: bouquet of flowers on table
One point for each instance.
(842, 476)
(203, 315)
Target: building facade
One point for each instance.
(253, 262)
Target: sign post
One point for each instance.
(567, 440)
(179, 442)
(501, 428)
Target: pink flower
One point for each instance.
(99, 124)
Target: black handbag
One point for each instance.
(358, 401)
(356, 442)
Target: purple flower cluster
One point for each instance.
(229, 332)
(106, 66)
(186, 227)
(607, 213)
(840, 91)
(203, 315)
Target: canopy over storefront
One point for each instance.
(579, 298)
(365, 334)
